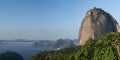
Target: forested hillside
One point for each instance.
(105, 48)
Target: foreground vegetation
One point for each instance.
(9, 55)
(103, 49)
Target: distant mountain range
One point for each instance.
(60, 43)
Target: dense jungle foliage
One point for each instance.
(102, 49)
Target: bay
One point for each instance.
(26, 51)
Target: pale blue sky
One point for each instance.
(48, 19)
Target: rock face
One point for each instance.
(97, 23)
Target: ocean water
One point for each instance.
(24, 50)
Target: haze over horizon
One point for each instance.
(48, 19)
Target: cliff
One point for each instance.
(96, 24)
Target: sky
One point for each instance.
(48, 19)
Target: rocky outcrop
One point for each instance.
(97, 23)
(118, 28)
